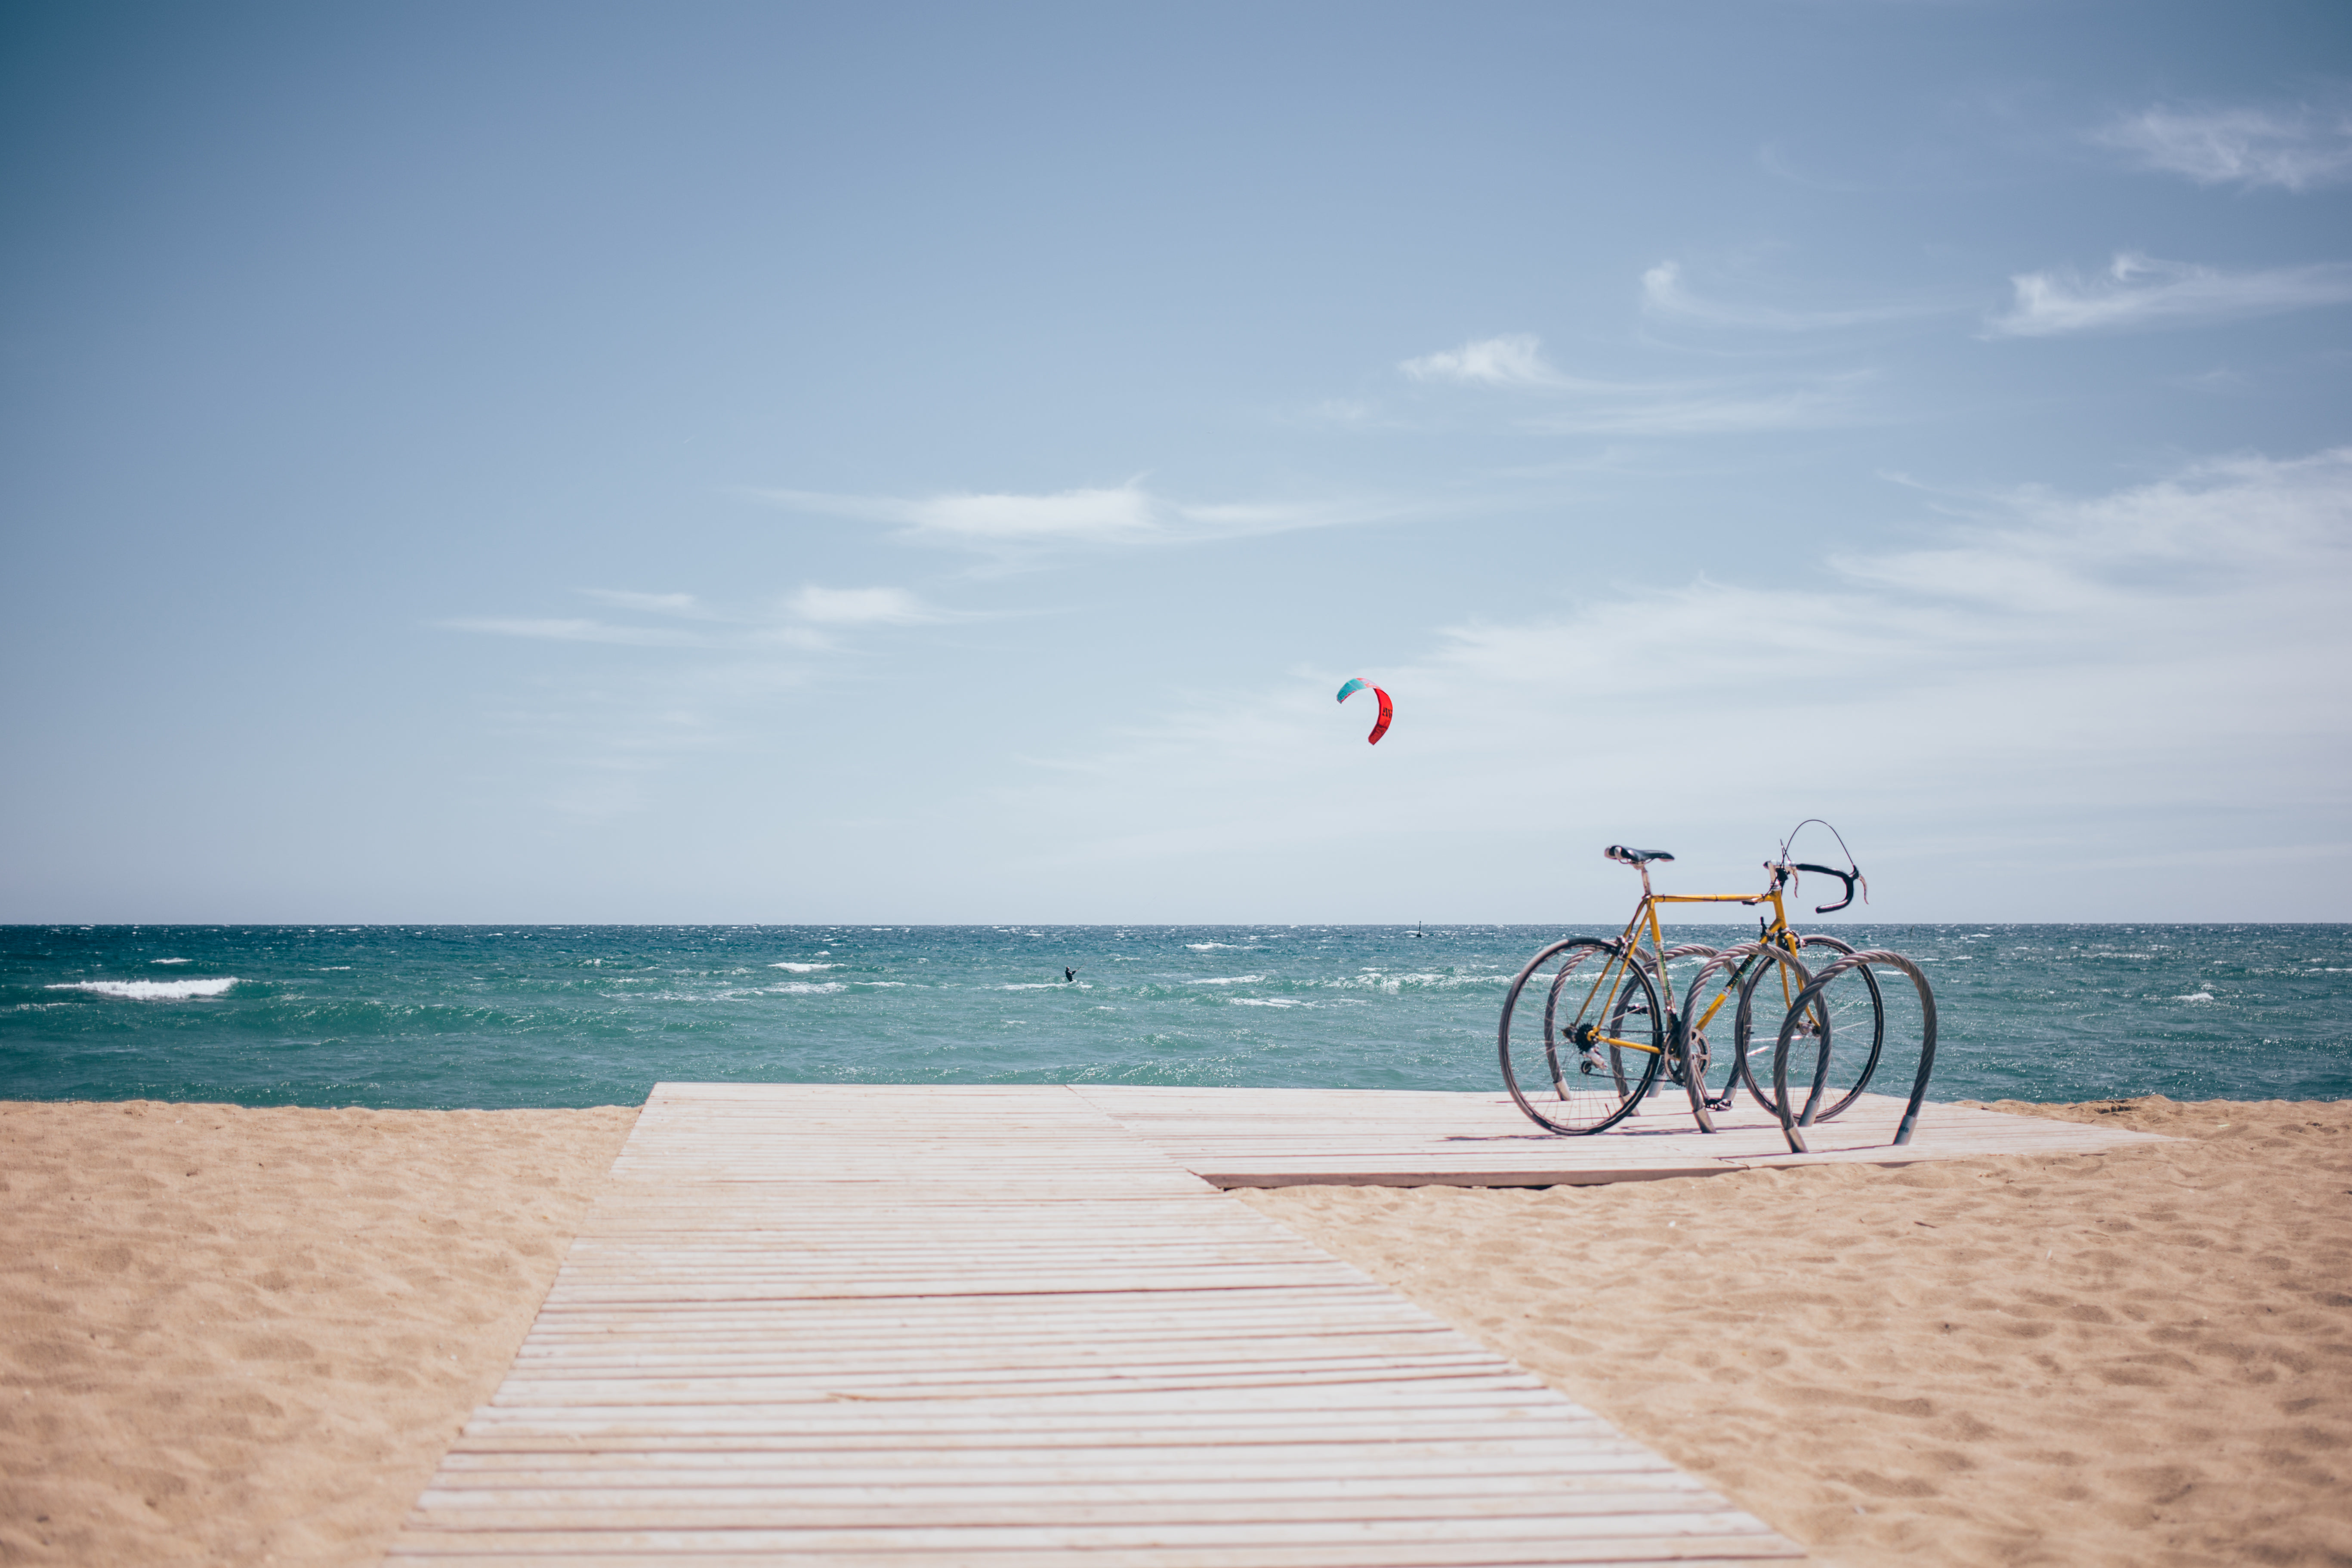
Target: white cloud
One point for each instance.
(792, 622)
(1585, 405)
(860, 606)
(1130, 515)
(2210, 532)
(1077, 516)
(1515, 360)
(1095, 514)
(558, 629)
(2248, 147)
(1664, 293)
(2141, 292)
(808, 639)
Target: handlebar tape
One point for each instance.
(1845, 876)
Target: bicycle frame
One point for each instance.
(1645, 914)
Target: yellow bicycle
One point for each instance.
(1591, 1026)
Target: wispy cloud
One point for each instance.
(1712, 410)
(2139, 292)
(684, 605)
(1340, 411)
(2223, 524)
(2056, 678)
(1514, 360)
(1128, 515)
(1592, 405)
(1663, 294)
(563, 629)
(806, 619)
(1079, 516)
(861, 607)
(2292, 151)
(608, 729)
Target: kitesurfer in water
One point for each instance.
(1069, 975)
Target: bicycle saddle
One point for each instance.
(1624, 856)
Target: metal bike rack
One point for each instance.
(1806, 998)
(1681, 1044)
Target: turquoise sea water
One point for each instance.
(549, 1015)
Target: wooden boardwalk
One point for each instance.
(890, 1327)
(1282, 1137)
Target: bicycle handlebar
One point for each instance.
(1848, 877)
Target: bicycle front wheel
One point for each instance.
(1582, 1035)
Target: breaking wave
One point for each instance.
(151, 990)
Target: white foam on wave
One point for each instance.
(2196, 996)
(804, 968)
(1373, 980)
(804, 988)
(1234, 980)
(1270, 1002)
(167, 960)
(1046, 986)
(151, 990)
(1215, 946)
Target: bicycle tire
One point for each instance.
(1591, 988)
(1846, 1024)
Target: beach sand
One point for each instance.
(2137, 1358)
(234, 1336)
(245, 1336)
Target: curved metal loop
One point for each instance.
(1810, 995)
(1657, 964)
(1723, 958)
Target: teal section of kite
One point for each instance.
(1351, 688)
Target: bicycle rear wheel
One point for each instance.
(1708, 1007)
(1582, 1035)
(1716, 1044)
(1833, 1049)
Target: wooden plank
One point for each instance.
(1156, 1475)
(721, 1550)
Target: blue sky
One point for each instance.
(912, 463)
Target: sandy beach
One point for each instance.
(2137, 1358)
(233, 1336)
(245, 1336)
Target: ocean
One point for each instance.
(453, 1016)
